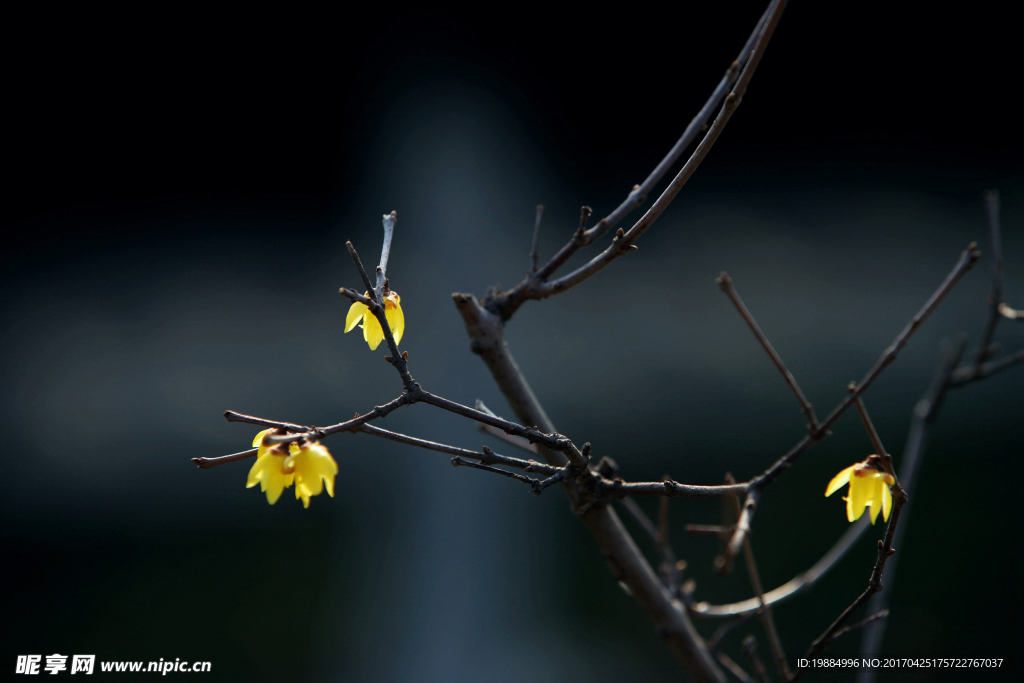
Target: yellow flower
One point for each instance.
(269, 469)
(308, 465)
(372, 332)
(869, 487)
(314, 470)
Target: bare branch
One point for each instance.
(207, 463)
(618, 488)
(459, 461)
(486, 456)
(725, 283)
(356, 297)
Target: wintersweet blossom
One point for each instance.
(308, 465)
(372, 332)
(314, 471)
(869, 487)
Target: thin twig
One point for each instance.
(672, 489)
(725, 283)
(459, 461)
(486, 456)
(207, 463)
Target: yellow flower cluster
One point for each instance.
(869, 488)
(372, 331)
(308, 465)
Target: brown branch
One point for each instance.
(876, 441)
(207, 463)
(505, 305)
(672, 489)
(725, 283)
(459, 461)
(486, 456)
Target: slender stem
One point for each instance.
(669, 488)
(459, 461)
(487, 456)
(207, 463)
(725, 283)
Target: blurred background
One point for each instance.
(178, 199)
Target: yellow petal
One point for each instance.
(255, 473)
(839, 480)
(258, 441)
(372, 332)
(876, 497)
(886, 502)
(395, 316)
(849, 508)
(860, 494)
(355, 314)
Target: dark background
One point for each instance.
(180, 188)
